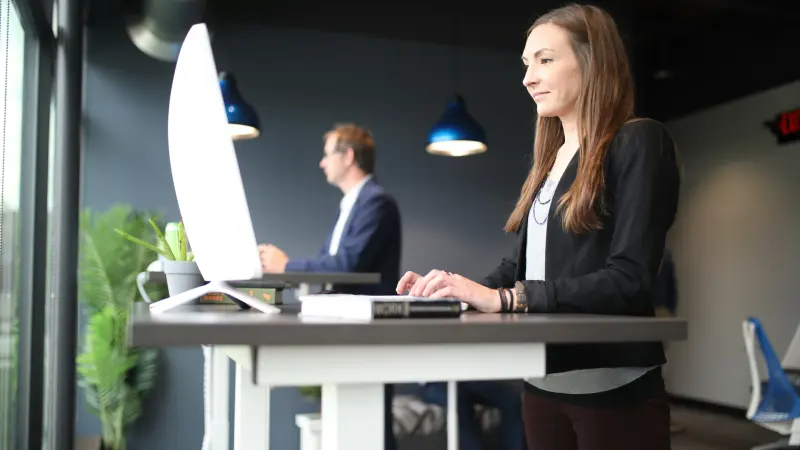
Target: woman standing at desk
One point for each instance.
(591, 222)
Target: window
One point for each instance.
(50, 322)
(12, 62)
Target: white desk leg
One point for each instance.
(352, 416)
(220, 399)
(452, 416)
(250, 414)
(302, 289)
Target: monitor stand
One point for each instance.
(243, 300)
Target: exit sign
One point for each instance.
(786, 126)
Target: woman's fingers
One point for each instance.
(445, 292)
(407, 282)
(436, 283)
(422, 283)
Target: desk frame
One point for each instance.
(352, 360)
(352, 379)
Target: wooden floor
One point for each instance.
(712, 431)
(701, 430)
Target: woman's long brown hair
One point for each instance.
(605, 103)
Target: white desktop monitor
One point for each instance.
(205, 170)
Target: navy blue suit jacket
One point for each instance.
(371, 242)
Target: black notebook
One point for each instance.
(350, 306)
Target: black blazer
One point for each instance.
(609, 271)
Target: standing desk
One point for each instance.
(352, 359)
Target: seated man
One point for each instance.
(505, 396)
(367, 234)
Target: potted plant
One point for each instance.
(178, 263)
(114, 377)
(311, 393)
(310, 424)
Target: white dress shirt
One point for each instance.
(345, 206)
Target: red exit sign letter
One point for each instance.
(786, 126)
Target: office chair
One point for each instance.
(775, 404)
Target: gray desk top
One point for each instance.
(288, 279)
(229, 325)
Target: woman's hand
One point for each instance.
(440, 284)
(407, 282)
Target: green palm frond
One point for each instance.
(103, 366)
(90, 395)
(105, 361)
(113, 376)
(133, 407)
(145, 372)
(94, 286)
(112, 250)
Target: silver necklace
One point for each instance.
(538, 200)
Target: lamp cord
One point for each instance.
(454, 52)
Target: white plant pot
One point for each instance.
(310, 426)
(182, 276)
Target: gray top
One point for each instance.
(194, 325)
(289, 279)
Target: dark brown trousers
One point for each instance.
(554, 425)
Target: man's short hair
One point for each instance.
(358, 138)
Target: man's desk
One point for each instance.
(352, 360)
(300, 281)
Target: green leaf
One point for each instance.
(182, 240)
(167, 253)
(167, 249)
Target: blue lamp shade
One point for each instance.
(457, 133)
(242, 118)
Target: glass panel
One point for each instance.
(48, 419)
(12, 54)
(49, 306)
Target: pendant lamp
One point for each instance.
(242, 118)
(457, 133)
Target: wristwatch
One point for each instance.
(522, 301)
